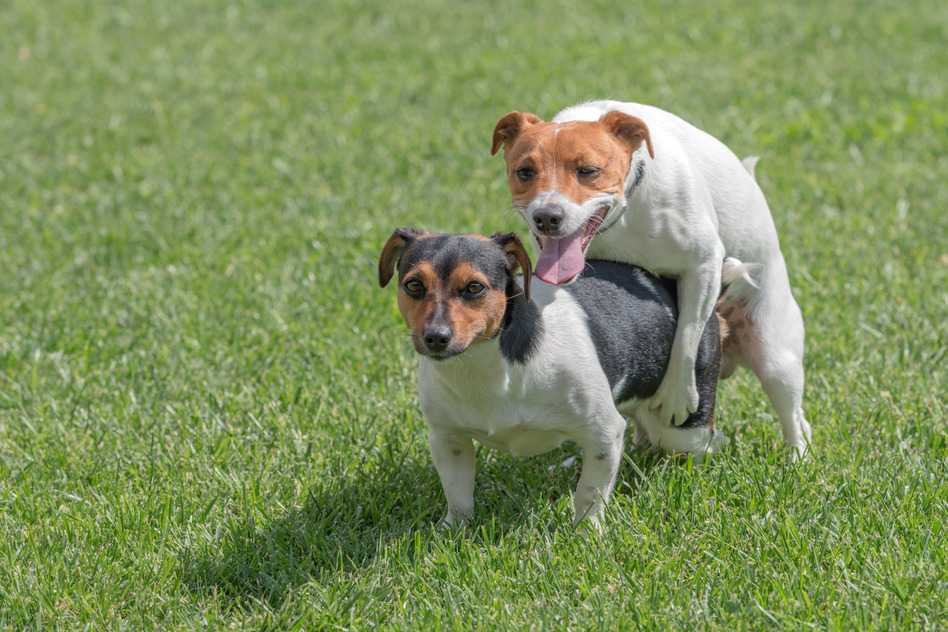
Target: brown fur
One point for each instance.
(509, 127)
(556, 150)
(517, 257)
(735, 329)
(629, 129)
(725, 330)
(393, 249)
(471, 321)
(418, 312)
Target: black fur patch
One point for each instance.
(445, 252)
(639, 174)
(632, 317)
(523, 325)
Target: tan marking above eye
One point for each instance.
(417, 310)
(463, 275)
(424, 273)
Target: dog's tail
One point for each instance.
(740, 292)
(750, 163)
(739, 283)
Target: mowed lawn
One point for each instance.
(207, 407)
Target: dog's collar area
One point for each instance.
(610, 222)
(639, 174)
(636, 181)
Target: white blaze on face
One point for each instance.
(580, 167)
(562, 259)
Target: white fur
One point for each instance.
(740, 286)
(559, 394)
(576, 214)
(696, 203)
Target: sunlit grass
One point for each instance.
(207, 408)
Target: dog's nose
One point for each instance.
(437, 338)
(548, 219)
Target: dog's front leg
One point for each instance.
(602, 454)
(453, 457)
(698, 289)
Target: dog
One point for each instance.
(524, 366)
(636, 184)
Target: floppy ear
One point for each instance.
(631, 130)
(392, 252)
(509, 127)
(517, 257)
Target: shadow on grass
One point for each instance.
(347, 524)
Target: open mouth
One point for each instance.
(562, 259)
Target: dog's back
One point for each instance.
(632, 316)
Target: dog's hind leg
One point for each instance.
(783, 384)
(773, 348)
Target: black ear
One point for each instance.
(517, 257)
(392, 252)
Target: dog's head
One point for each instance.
(566, 179)
(453, 289)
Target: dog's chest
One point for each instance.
(654, 251)
(509, 414)
(657, 239)
(526, 429)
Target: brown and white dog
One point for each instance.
(633, 183)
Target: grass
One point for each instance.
(207, 412)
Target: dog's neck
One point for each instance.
(637, 173)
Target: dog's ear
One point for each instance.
(509, 127)
(392, 252)
(631, 130)
(517, 257)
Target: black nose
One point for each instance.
(437, 338)
(548, 219)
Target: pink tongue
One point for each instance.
(561, 259)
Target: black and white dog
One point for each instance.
(519, 364)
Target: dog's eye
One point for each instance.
(586, 171)
(525, 174)
(473, 290)
(414, 288)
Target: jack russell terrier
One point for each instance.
(525, 366)
(633, 183)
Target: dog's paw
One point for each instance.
(453, 520)
(674, 401)
(590, 520)
(799, 451)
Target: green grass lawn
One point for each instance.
(207, 407)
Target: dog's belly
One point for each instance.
(522, 441)
(518, 427)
